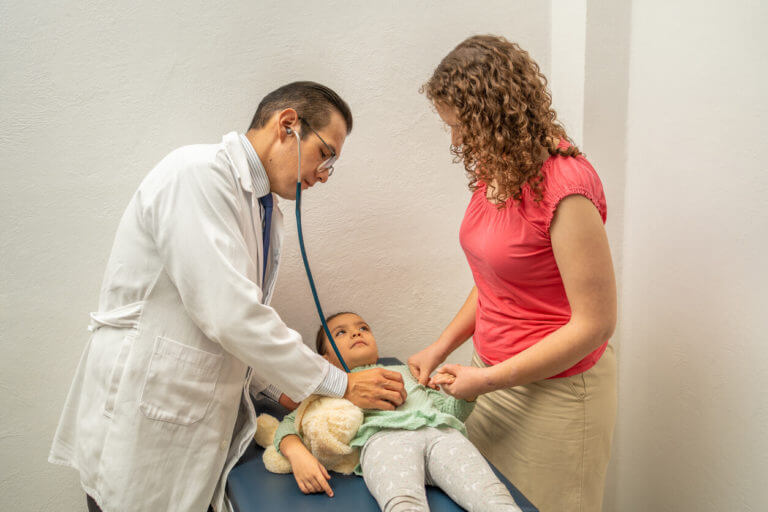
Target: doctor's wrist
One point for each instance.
(334, 384)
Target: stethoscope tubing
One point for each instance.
(306, 261)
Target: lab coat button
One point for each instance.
(224, 445)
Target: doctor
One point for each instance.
(159, 410)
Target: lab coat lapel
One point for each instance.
(276, 245)
(240, 165)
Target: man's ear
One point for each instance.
(287, 120)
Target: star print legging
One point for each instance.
(397, 463)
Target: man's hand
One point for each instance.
(310, 475)
(376, 388)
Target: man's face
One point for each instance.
(354, 340)
(283, 165)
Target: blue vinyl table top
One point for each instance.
(252, 488)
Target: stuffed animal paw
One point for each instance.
(327, 426)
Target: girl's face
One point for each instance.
(354, 339)
(449, 117)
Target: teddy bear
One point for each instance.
(327, 425)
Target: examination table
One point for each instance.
(251, 488)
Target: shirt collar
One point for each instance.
(258, 173)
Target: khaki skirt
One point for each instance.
(552, 439)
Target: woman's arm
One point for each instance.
(423, 363)
(461, 327)
(581, 250)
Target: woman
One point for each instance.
(544, 302)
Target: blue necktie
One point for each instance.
(266, 202)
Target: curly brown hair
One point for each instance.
(508, 127)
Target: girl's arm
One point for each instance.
(310, 475)
(423, 363)
(286, 402)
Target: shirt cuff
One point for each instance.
(334, 384)
(272, 392)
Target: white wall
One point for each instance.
(606, 80)
(693, 410)
(94, 94)
(672, 120)
(566, 78)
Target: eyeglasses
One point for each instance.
(327, 164)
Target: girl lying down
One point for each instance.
(421, 441)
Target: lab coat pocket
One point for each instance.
(180, 382)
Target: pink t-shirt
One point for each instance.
(521, 298)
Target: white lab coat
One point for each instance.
(159, 409)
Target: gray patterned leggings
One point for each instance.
(397, 463)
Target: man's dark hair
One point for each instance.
(312, 101)
(320, 341)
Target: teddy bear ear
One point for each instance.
(266, 426)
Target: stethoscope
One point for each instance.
(304, 254)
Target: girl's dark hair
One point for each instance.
(320, 341)
(312, 101)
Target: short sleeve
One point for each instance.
(566, 176)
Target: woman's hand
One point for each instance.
(423, 363)
(465, 382)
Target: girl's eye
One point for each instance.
(341, 332)
(364, 328)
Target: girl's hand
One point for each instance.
(310, 475)
(465, 382)
(423, 363)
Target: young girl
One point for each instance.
(422, 441)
